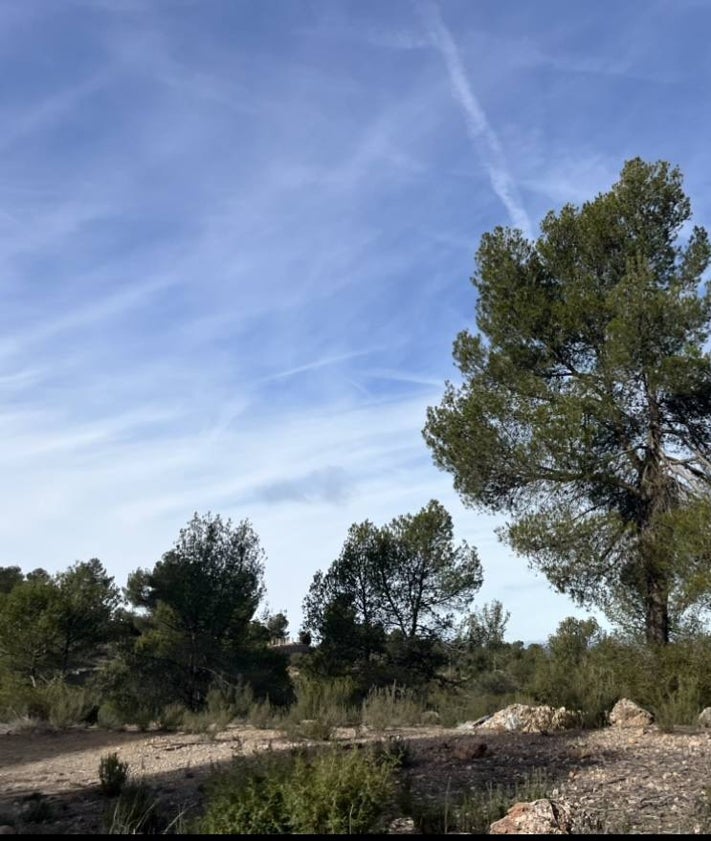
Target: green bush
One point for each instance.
(171, 717)
(113, 774)
(330, 700)
(333, 792)
(263, 715)
(15, 693)
(673, 682)
(321, 705)
(242, 699)
(109, 717)
(55, 702)
(67, 705)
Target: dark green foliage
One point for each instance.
(585, 669)
(278, 627)
(50, 626)
(381, 609)
(585, 406)
(333, 792)
(87, 604)
(200, 601)
(29, 633)
(9, 577)
(113, 774)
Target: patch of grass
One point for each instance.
(473, 812)
(392, 706)
(678, 704)
(56, 702)
(171, 717)
(396, 749)
(134, 812)
(309, 729)
(109, 717)
(219, 712)
(37, 809)
(31, 724)
(263, 715)
(320, 707)
(67, 705)
(330, 701)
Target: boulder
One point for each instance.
(539, 817)
(704, 719)
(626, 713)
(526, 719)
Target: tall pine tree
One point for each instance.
(584, 411)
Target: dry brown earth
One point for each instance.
(638, 780)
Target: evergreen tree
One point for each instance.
(584, 410)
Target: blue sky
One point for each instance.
(236, 241)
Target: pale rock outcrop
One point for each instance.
(626, 713)
(526, 719)
(704, 719)
(540, 817)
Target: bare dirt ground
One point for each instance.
(636, 780)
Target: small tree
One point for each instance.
(201, 599)
(87, 600)
(391, 592)
(9, 578)
(29, 633)
(278, 627)
(49, 625)
(485, 627)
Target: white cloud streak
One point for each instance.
(479, 128)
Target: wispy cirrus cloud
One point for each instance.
(482, 133)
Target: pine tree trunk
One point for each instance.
(656, 610)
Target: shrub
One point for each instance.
(458, 705)
(328, 700)
(263, 715)
(109, 716)
(333, 792)
(67, 705)
(392, 706)
(171, 717)
(113, 774)
(55, 702)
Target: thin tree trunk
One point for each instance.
(656, 611)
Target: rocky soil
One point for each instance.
(629, 780)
